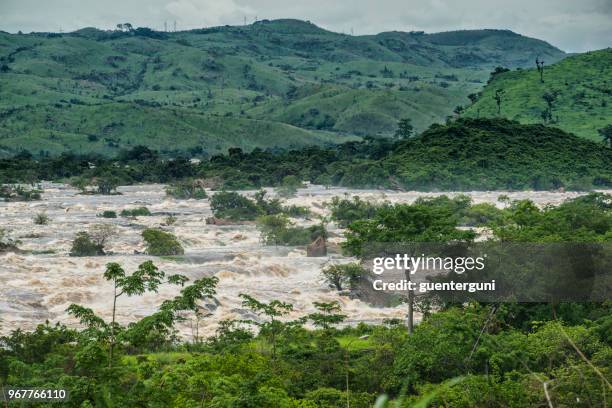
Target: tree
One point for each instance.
(540, 67)
(499, 97)
(101, 233)
(107, 184)
(146, 278)
(414, 227)
(272, 310)
(606, 134)
(342, 274)
(549, 98)
(234, 206)
(326, 315)
(404, 129)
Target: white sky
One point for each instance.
(572, 25)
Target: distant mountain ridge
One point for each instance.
(280, 83)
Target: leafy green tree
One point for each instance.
(234, 206)
(273, 310)
(146, 278)
(340, 275)
(327, 314)
(107, 184)
(412, 226)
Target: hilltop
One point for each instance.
(281, 83)
(487, 154)
(579, 88)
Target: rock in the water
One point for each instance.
(317, 248)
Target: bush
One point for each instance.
(6, 243)
(136, 212)
(186, 189)
(84, 245)
(41, 219)
(278, 230)
(170, 220)
(160, 243)
(19, 193)
(296, 211)
(108, 214)
(345, 211)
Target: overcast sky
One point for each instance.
(572, 25)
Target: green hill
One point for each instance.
(284, 83)
(579, 87)
(484, 154)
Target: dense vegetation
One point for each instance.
(574, 94)
(284, 83)
(468, 154)
(469, 355)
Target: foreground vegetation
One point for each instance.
(468, 154)
(460, 355)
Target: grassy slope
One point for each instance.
(254, 86)
(584, 86)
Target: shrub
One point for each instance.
(160, 243)
(480, 215)
(19, 193)
(346, 211)
(41, 219)
(296, 211)
(84, 245)
(108, 214)
(136, 212)
(186, 189)
(268, 207)
(6, 243)
(171, 219)
(278, 230)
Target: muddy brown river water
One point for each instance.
(40, 282)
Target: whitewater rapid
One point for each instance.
(42, 280)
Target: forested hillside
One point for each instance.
(467, 154)
(281, 83)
